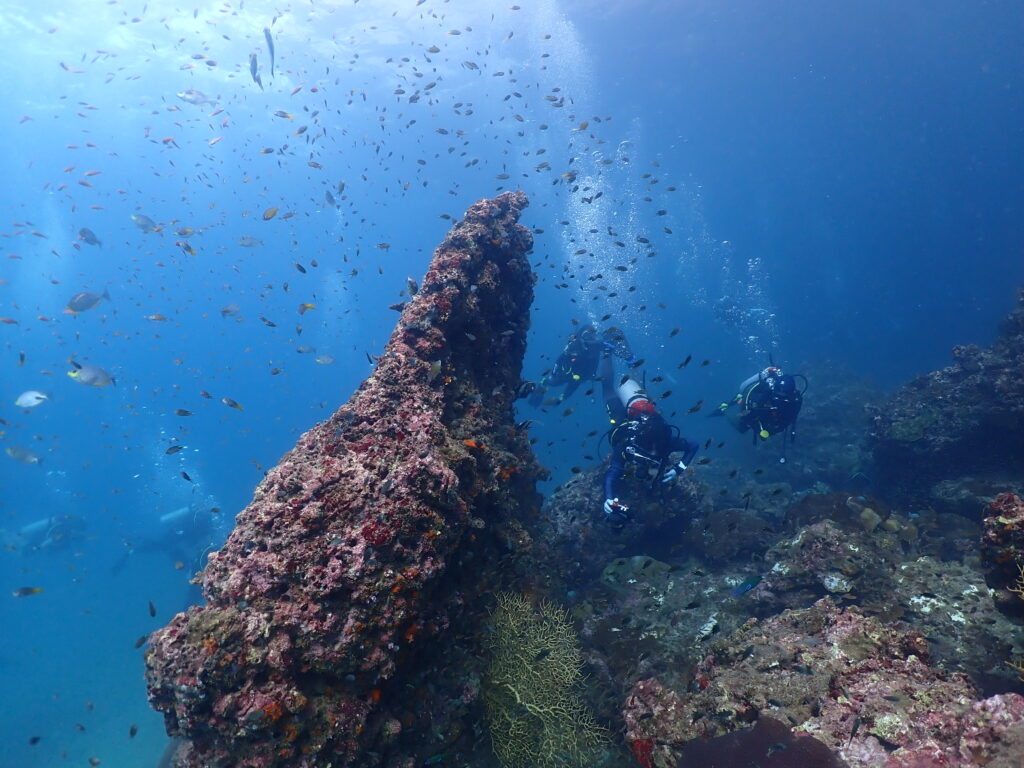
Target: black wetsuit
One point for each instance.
(768, 408)
(643, 444)
(577, 363)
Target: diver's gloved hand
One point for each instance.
(672, 473)
(616, 513)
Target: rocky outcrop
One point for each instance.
(966, 419)
(866, 690)
(383, 528)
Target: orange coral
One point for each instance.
(273, 711)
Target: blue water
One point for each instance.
(847, 186)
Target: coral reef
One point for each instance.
(863, 688)
(536, 716)
(572, 520)
(364, 543)
(1002, 540)
(966, 419)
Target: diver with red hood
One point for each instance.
(642, 442)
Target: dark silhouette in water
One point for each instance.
(183, 536)
(59, 533)
(769, 744)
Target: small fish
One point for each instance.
(132, 731)
(174, 449)
(305, 307)
(685, 362)
(27, 591)
(306, 349)
(284, 115)
(299, 267)
(33, 740)
(231, 403)
(186, 476)
(270, 48)
(254, 70)
(141, 641)
(746, 585)
(249, 242)
(30, 399)
(23, 455)
(696, 406)
(194, 97)
(230, 310)
(94, 761)
(704, 362)
(152, 608)
(645, 716)
(542, 655)
(270, 213)
(182, 412)
(88, 237)
(856, 727)
(674, 332)
(84, 301)
(144, 223)
(325, 360)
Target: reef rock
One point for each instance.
(573, 521)
(1002, 543)
(862, 688)
(966, 419)
(384, 526)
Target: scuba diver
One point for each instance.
(184, 535)
(579, 360)
(769, 402)
(642, 442)
(47, 534)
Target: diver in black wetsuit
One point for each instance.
(768, 402)
(579, 360)
(642, 442)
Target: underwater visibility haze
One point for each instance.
(761, 227)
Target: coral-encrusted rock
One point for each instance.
(967, 419)
(369, 538)
(1002, 540)
(574, 523)
(864, 689)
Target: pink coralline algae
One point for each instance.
(865, 690)
(357, 546)
(1002, 540)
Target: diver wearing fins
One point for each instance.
(768, 402)
(579, 360)
(642, 442)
